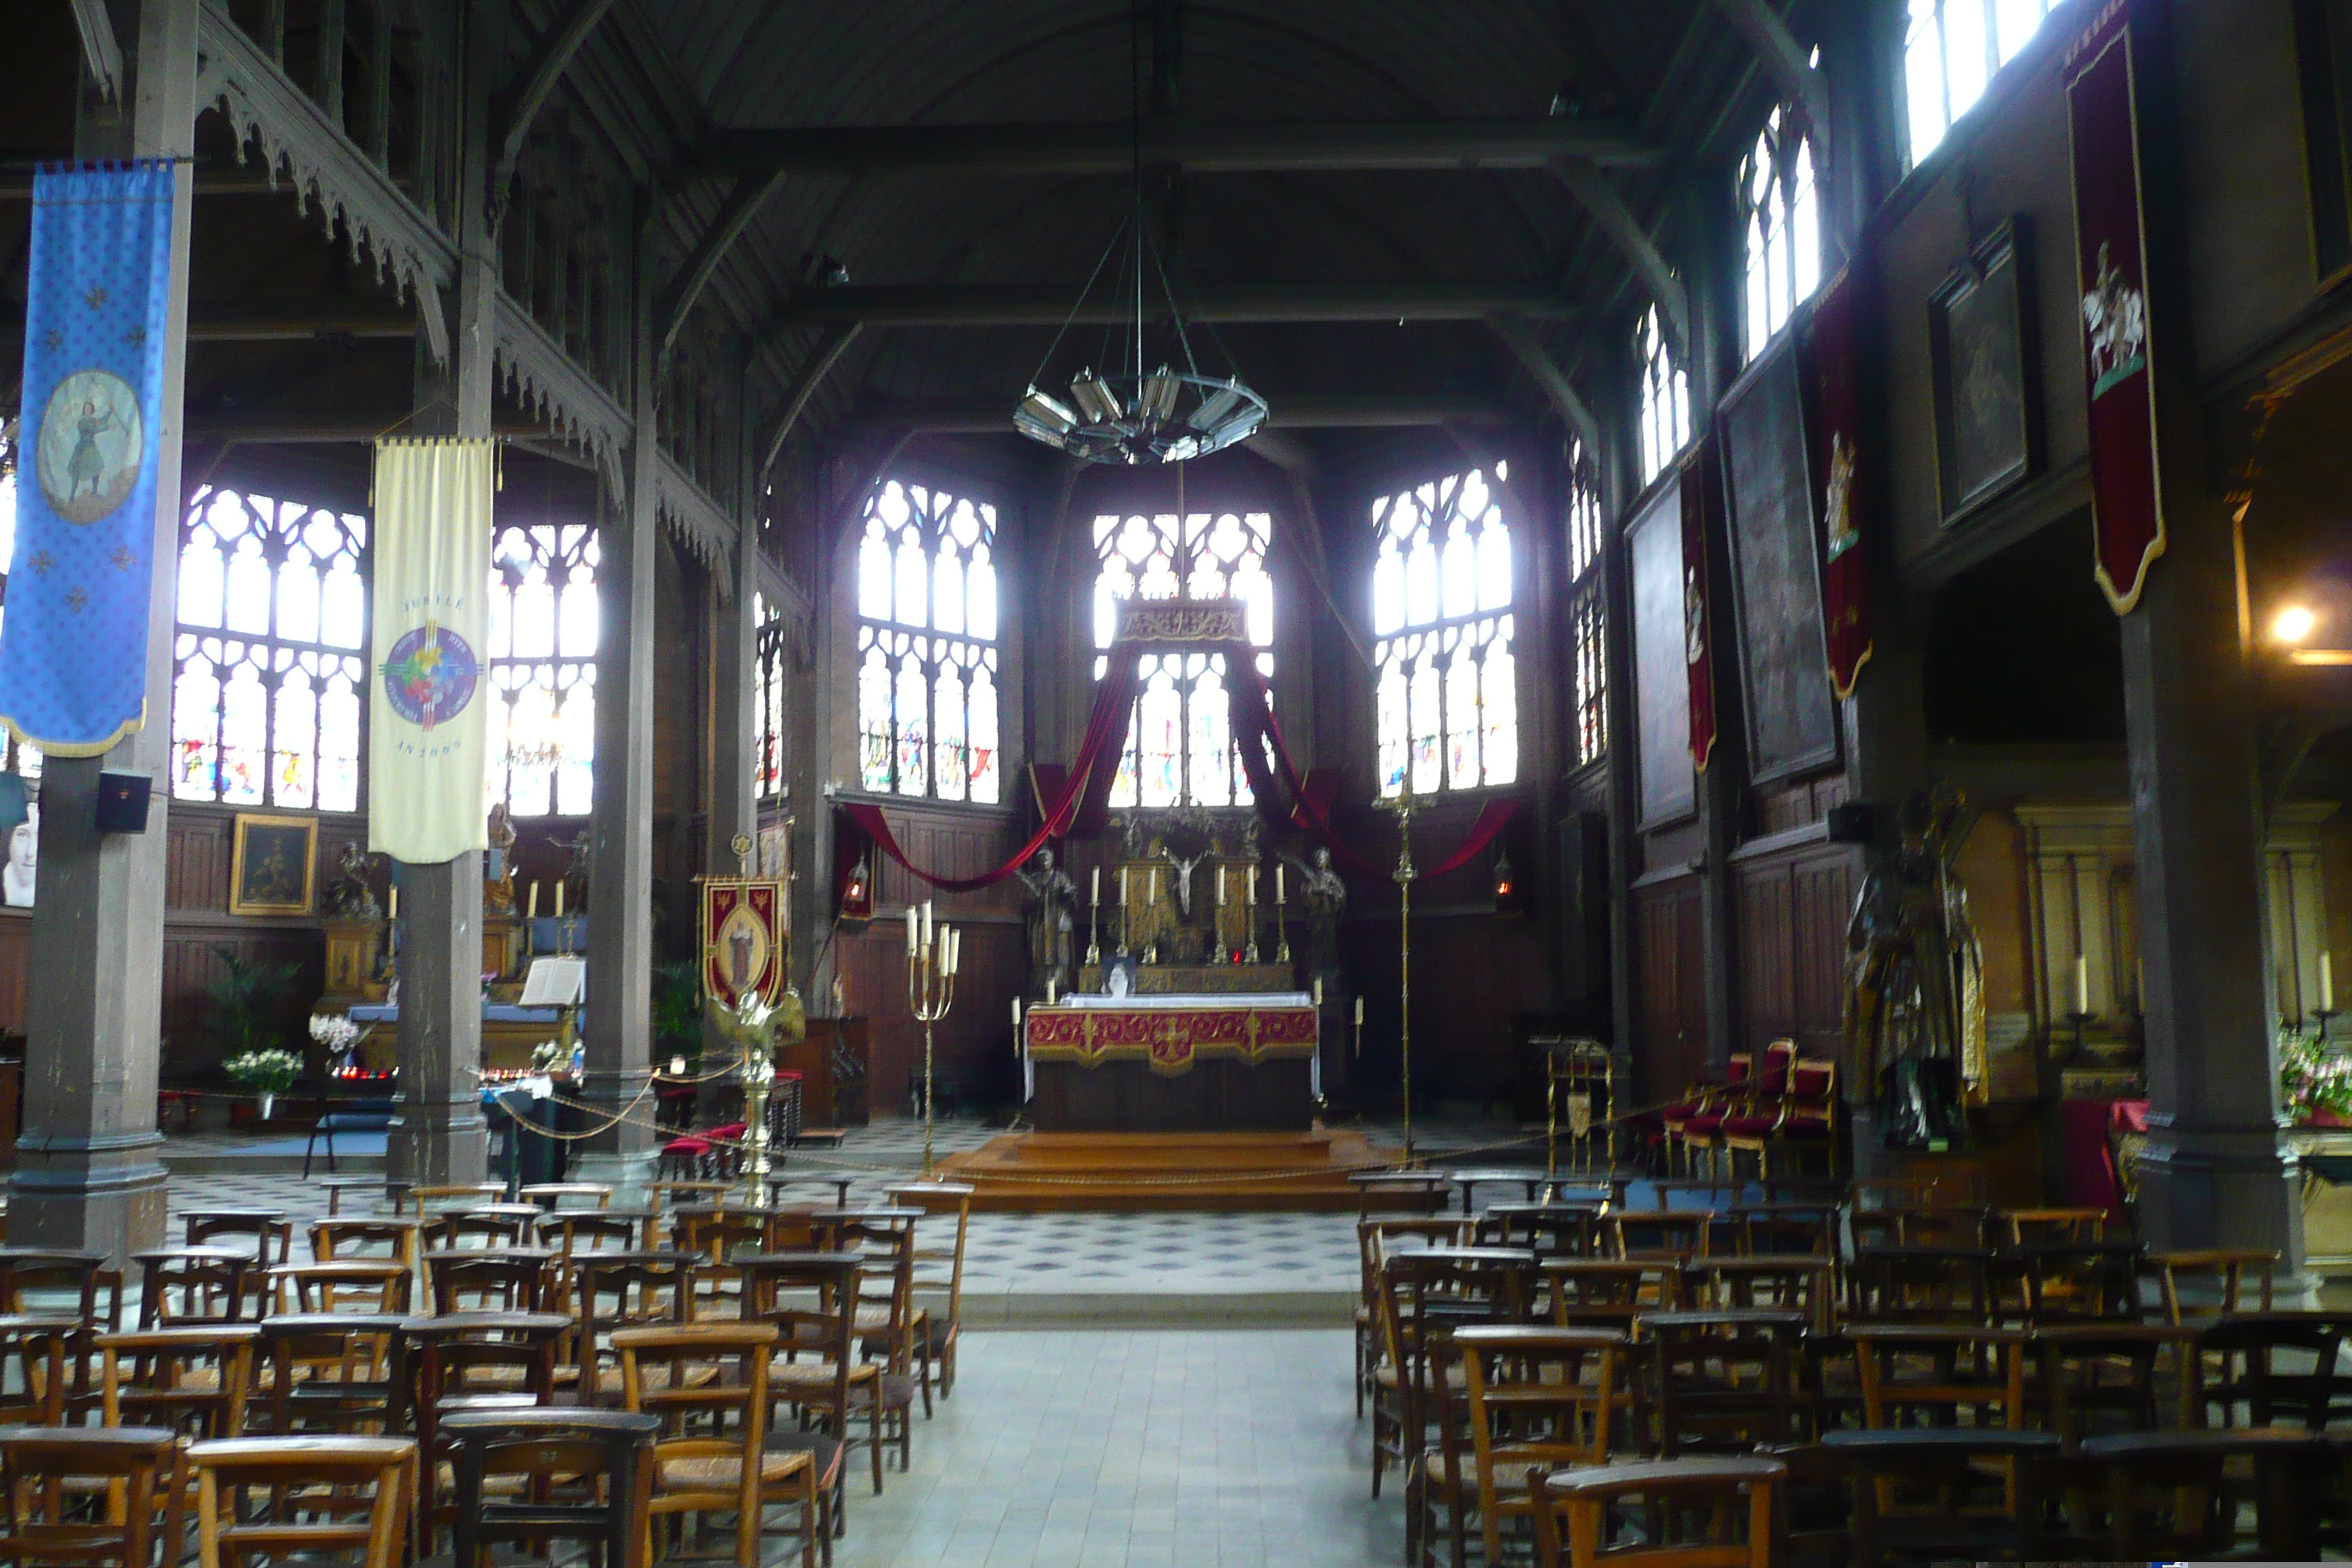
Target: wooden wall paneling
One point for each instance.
(1764, 939)
(196, 858)
(1670, 962)
(1793, 907)
(15, 968)
(1825, 886)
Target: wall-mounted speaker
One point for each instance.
(122, 801)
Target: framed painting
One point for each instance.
(1981, 351)
(1669, 789)
(274, 865)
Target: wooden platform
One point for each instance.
(1224, 1172)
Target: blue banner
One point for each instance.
(73, 643)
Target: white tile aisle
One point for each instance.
(1142, 1449)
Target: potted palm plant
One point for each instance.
(245, 994)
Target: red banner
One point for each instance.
(1832, 432)
(1700, 487)
(742, 939)
(2111, 269)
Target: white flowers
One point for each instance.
(333, 1033)
(265, 1073)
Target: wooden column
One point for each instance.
(438, 1135)
(621, 813)
(88, 1176)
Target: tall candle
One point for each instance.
(1220, 887)
(2083, 983)
(1155, 887)
(2326, 983)
(1098, 885)
(534, 911)
(1016, 1014)
(1360, 1012)
(1122, 886)
(955, 950)
(927, 923)
(914, 926)
(1253, 883)
(393, 893)
(1277, 881)
(1319, 991)
(559, 898)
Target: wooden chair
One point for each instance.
(192, 1285)
(498, 1362)
(1702, 1100)
(888, 1317)
(1720, 1381)
(2216, 1281)
(1693, 1509)
(1537, 1396)
(2101, 1378)
(520, 1279)
(1374, 1237)
(938, 1280)
(715, 1374)
(1921, 1284)
(551, 1195)
(1945, 1494)
(48, 1473)
(540, 1447)
(1549, 1230)
(365, 1240)
(1394, 1192)
(714, 1231)
(2168, 1497)
(260, 1229)
(340, 1286)
(330, 1372)
(1609, 1293)
(418, 1200)
(1798, 1124)
(1948, 1224)
(44, 1364)
(611, 1291)
(481, 1229)
(2077, 1281)
(2276, 1369)
(810, 1299)
(1948, 1373)
(193, 1380)
(38, 1281)
(571, 1231)
(1664, 1233)
(1784, 1282)
(671, 1194)
(340, 1477)
(2074, 1226)
(1425, 1295)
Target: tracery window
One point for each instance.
(1666, 398)
(1587, 612)
(1782, 216)
(927, 698)
(19, 758)
(542, 666)
(768, 700)
(1179, 745)
(1954, 49)
(1447, 700)
(269, 666)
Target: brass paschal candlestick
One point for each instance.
(1404, 805)
(932, 957)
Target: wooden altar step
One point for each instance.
(1223, 1172)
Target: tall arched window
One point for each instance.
(1951, 54)
(1783, 222)
(269, 657)
(542, 739)
(1448, 713)
(1588, 611)
(1666, 398)
(767, 700)
(927, 720)
(1180, 746)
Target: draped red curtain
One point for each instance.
(1082, 801)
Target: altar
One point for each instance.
(1239, 1062)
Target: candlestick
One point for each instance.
(930, 991)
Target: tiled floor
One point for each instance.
(1143, 1449)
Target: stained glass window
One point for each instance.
(927, 697)
(768, 700)
(1446, 697)
(1954, 49)
(1783, 222)
(1588, 613)
(1179, 749)
(19, 758)
(1666, 398)
(269, 674)
(542, 666)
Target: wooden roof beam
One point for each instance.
(1199, 146)
(1048, 305)
(549, 60)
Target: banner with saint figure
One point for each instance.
(429, 636)
(1702, 489)
(73, 645)
(1832, 428)
(743, 949)
(2111, 262)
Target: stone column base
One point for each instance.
(437, 1143)
(85, 1199)
(2225, 1187)
(631, 1177)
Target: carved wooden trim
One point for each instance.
(701, 523)
(264, 106)
(549, 383)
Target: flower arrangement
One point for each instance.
(333, 1033)
(2313, 1081)
(264, 1072)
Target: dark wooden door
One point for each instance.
(1670, 957)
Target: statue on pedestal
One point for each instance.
(1324, 898)
(1910, 968)
(1051, 919)
(498, 866)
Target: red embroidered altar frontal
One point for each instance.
(1171, 1038)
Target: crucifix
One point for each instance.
(1183, 880)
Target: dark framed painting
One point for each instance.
(1981, 351)
(1661, 660)
(274, 866)
(1776, 572)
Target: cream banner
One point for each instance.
(431, 623)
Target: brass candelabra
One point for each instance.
(932, 956)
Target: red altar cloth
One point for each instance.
(1171, 1038)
